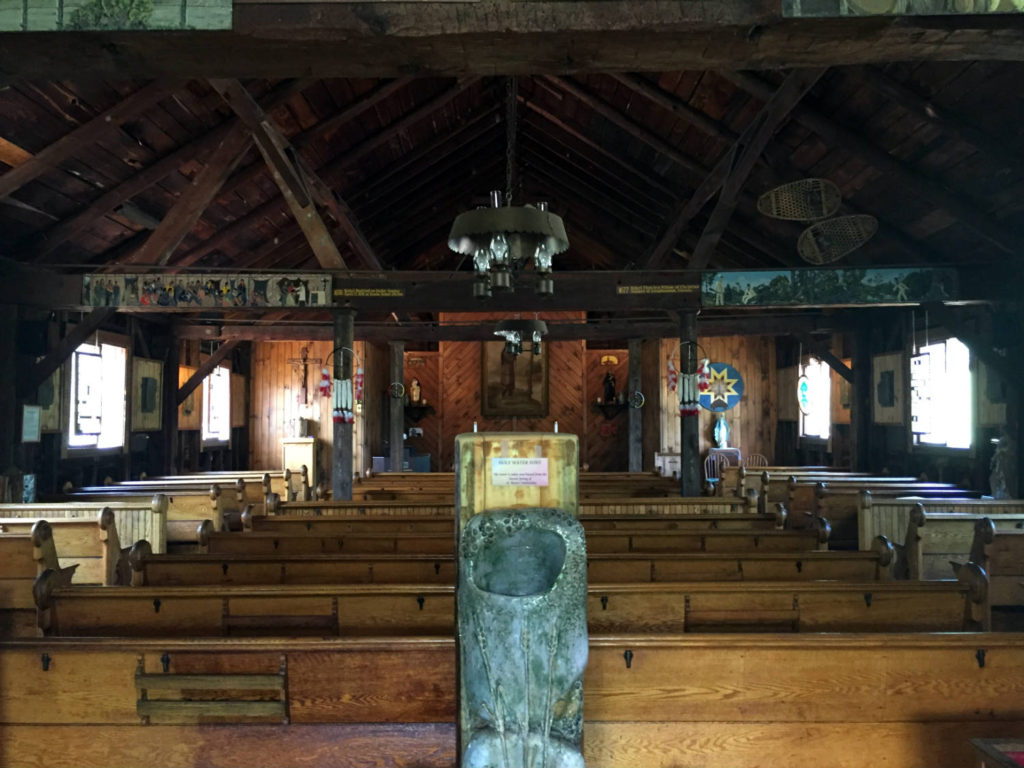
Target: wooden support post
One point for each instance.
(860, 401)
(396, 429)
(650, 376)
(636, 452)
(341, 461)
(689, 474)
(8, 380)
(170, 404)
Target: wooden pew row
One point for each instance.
(185, 509)
(611, 506)
(935, 540)
(248, 569)
(842, 505)
(145, 518)
(333, 526)
(767, 700)
(620, 540)
(880, 516)
(1001, 555)
(803, 495)
(381, 610)
(736, 480)
(23, 557)
(257, 483)
(91, 546)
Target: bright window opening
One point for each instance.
(217, 406)
(941, 399)
(814, 393)
(97, 406)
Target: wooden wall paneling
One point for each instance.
(238, 400)
(992, 397)
(190, 412)
(424, 366)
(752, 423)
(786, 403)
(607, 448)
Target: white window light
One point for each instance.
(97, 396)
(217, 406)
(941, 395)
(814, 394)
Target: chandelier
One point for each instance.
(515, 332)
(503, 239)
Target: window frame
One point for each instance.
(215, 442)
(68, 451)
(942, 336)
(809, 439)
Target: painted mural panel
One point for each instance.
(199, 291)
(839, 8)
(812, 287)
(79, 15)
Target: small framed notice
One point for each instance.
(533, 472)
(31, 423)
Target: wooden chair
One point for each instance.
(713, 466)
(755, 460)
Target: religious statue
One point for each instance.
(414, 391)
(609, 387)
(1003, 477)
(522, 599)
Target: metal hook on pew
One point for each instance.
(165, 662)
(628, 656)
(980, 656)
(45, 659)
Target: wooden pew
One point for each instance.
(803, 494)
(256, 484)
(934, 540)
(185, 508)
(611, 506)
(1001, 555)
(144, 518)
(841, 504)
(23, 557)
(332, 526)
(382, 610)
(737, 480)
(92, 545)
(609, 540)
(880, 516)
(915, 700)
(250, 569)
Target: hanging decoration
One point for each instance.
(689, 385)
(346, 392)
(724, 388)
(672, 376)
(503, 238)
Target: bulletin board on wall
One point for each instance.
(992, 396)
(48, 398)
(788, 406)
(147, 395)
(889, 389)
(841, 396)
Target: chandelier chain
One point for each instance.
(511, 88)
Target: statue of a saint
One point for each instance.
(414, 391)
(609, 387)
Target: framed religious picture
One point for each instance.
(513, 385)
(48, 399)
(147, 394)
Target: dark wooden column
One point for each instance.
(341, 461)
(861, 399)
(396, 428)
(636, 430)
(689, 475)
(10, 425)
(650, 376)
(170, 405)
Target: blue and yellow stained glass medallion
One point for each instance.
(725, 388)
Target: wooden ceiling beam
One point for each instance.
(268, 39)
(205, 369)
(199, 148)
(189, 207)
(933, 190)
(53, 359)
(1001, 149)
(744, 154)
(85, 134)
(274, 205)
(295, 181)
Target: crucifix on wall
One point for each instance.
(302, 364)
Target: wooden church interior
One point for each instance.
(226, 576)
